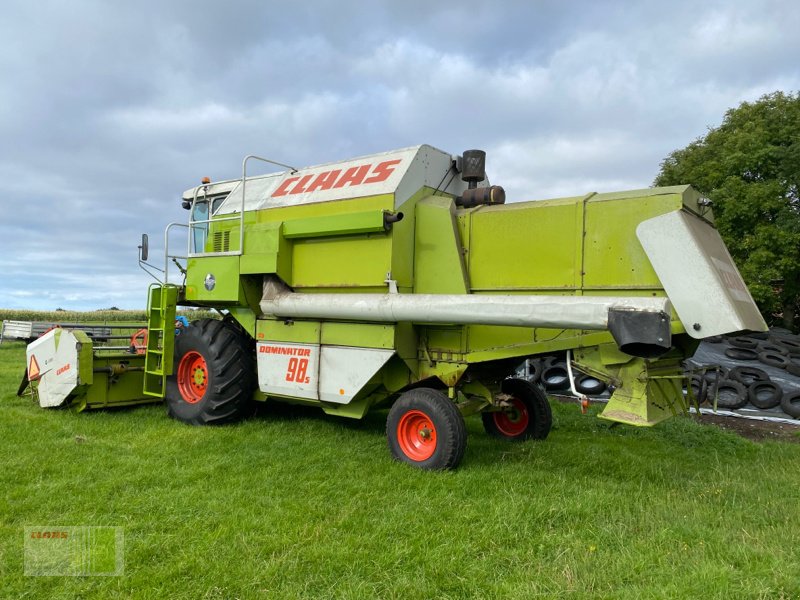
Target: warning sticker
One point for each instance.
(33, 369)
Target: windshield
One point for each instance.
(199, 230)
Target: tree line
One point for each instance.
(749, 167)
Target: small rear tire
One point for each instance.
(425, 429)
(528, 417)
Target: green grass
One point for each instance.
(293, 504)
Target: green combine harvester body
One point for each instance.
(403, 278)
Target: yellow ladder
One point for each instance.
(161, 305)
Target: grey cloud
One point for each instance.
(108, 111)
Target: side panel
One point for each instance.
(685, 250)
(438, 252)
(315, 372)
(613, 257)
(345, 371)
(523, 246)
(353, 262)
(289, 369)
(220, 273)
(321, 361)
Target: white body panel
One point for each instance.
(567, 312)
(400, 172)
(345, 371)
(684, 249)
(55, 355)
(288, 369)
(328, 373)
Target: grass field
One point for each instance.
(293, 504)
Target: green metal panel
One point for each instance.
(301, 332)
(363, 335)
(438, 254)
(245, 317)
(334, 225)
(321, 209)
(225, 270)
(613, 256)
(266, 250)
(356, 408)
(404, 240)
(646, 391)
(85, 356)
(123, 388)
(352, 262)
(523, 246)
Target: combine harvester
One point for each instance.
(404, 279)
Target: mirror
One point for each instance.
(143, 248)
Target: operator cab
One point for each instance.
(200, 217)
(198, 200)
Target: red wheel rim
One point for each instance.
(192, 377)
(513, 421)
(416, 435)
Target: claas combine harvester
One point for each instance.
(404, 279)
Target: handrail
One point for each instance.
(244, 183)
(167, 255)
(211, 219)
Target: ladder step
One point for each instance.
(162, 303)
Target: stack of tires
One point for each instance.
(550, 372)
(760, 370)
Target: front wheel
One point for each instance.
(425, 429)
(214, 374)
(527, 416)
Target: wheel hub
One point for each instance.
(416, 435)
(514, 420)
(192, 377)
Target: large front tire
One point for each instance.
(214, 374)
(527, 417)
(425, 429)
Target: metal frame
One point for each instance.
(174, 257)
(192, 223)
(239, 217)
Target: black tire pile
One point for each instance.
(741, 379)
(550, 372)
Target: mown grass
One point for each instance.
(293, 504)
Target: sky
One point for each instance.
(110, 110)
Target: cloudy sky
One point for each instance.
(109, 110)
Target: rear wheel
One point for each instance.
(426, 429)
(214, 374)
(527, 416)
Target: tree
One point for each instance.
(749, 167)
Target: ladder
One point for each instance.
(161, 305)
